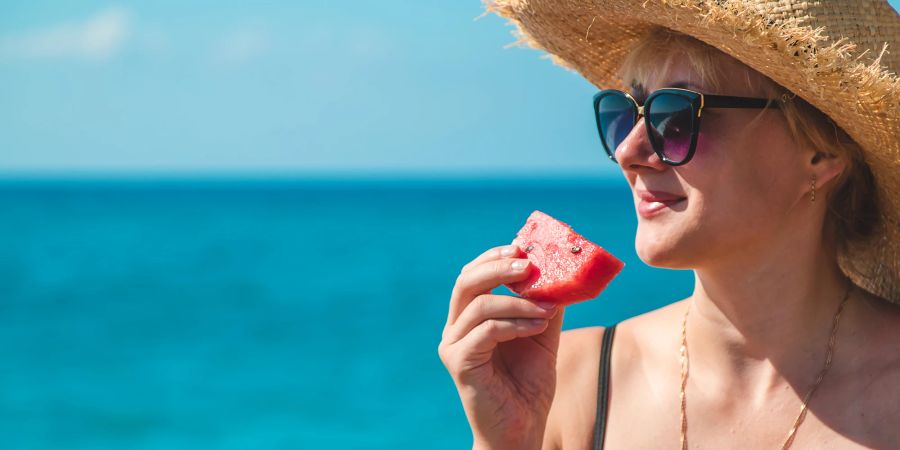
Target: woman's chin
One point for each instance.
(662, 252)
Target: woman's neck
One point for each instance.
(763, 320)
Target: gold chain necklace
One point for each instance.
(801, 416)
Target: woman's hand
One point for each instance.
(501, 352)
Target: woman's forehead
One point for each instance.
(720, 76)
(640, 92)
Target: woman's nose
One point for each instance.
(636, 153)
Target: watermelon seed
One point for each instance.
(529, 249)
(576, 249)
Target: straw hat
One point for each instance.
(832, 53)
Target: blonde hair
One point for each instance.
(853, 211)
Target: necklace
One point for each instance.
(790, 438)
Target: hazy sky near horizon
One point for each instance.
(288, 86)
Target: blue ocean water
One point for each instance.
(263, 315)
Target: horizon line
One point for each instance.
(288, 175)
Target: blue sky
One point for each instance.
(288, 87)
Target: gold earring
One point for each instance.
(813, 196)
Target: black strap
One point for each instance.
(603, 388)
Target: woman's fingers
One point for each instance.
(503, 251)
(485, 307)
(482, 278)
(477, 347)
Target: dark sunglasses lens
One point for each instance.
(672, 120)
(616, 119)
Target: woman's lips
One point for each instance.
(649, 209)
(654, 202)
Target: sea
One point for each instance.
(264, 313)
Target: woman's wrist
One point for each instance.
(533, 445)
(519, 443)
(524, 434)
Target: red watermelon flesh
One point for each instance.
(567, 267)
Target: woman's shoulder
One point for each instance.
(861, 390)
(877, 350)
(647, 335)
(578, 358)
(579, 349)
(877, 337)
(572, 415)
(641, 328)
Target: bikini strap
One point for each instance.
(603, 388)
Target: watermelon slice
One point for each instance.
(567, 267)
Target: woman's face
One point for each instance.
(744, 189)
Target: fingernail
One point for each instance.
(507, 251)
(519, 264)
(547, 305)
(538, 321)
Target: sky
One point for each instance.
(303, 87)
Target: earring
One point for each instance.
(813, 195)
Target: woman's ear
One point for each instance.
(825, 166)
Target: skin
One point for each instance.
(766, 290)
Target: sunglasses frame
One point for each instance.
(697, 100)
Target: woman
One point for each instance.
(785, 210)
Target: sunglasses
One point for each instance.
(672, 119)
